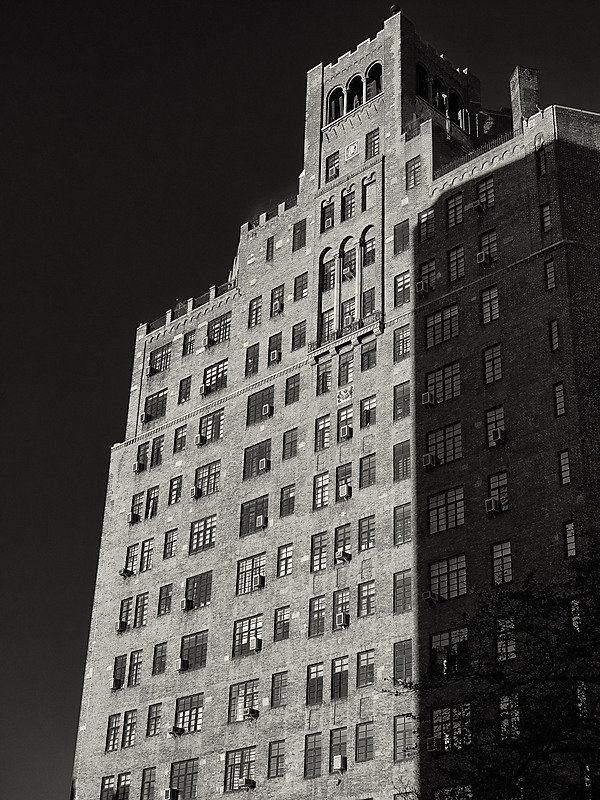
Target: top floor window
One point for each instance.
(219, 329)
(156, 405)
(374, 84)
(160, 359)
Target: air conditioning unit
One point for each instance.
(195, 492)
(423, 287)
(138, 466)
(346, 432)
(347, 273)
(181, 664)
(340, 763)
(277, 306)
(263, 464)
(479, 205)
(483, 257)
(125, 573)
(342, 556)
(121, 626)
(430, 597)
(258, 581)
(492, 505)
(116, 683)
(186, 604)
(333, 172)
(342, 619)
(434, 744)
(348, 321)
(175, 731)
(199, 440)
(345, 491)
(207, 342)
(132, 517)
(498, 436)
(267, 410)
(250, 713)
(428, 399)
(145, 417)
(261, 521)
(430, 460)
(171, 794)
(255, 644)
(274, 356)
(328, 223)
(249, 783)
(149, 372)
(204, 389)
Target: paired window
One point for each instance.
(247, 635)
(448, 577)
(444, 382)
(445, 444)
(215, 376)
(219, 329)
(441, 326)
(446, 510)
(119, 790)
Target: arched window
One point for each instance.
(454, 106)
(373, 81)
(327, 270)
(348, 203)
(438, 100)
(335, 104)
(368, 192)
(327, 214)
(367, 242)
(423, 82)
(348, 256)
(355, 93)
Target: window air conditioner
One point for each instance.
(171, 794)
(345, 431)
(267, 410)
(181, 664)
(422, 287)
(347, 273)
(175, 731)
(199, 440)
(261, 521)
(250, 713)
(255, 644)
(332, 172)
(342, 556)
(187, 604)
(483, 257)
(263, 464)
(348, 321)
(132, 517)
(479, 205)
(121, 626)
(342, 619)
(206, 342)
(204, 389)
(138, 466)
(258, 581)
(145, 417)
(249, 783)
(149, 372)
(125, 573)
(195, 492)
(345, 491)
(116, 683)
(339, 762)
(328, 223)
(430, 460)
(277, 307)
(430, 597)
(492, 505)
(498, 436)
(274, 356)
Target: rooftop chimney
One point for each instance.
(524, 95)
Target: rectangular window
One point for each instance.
(485, 192)
(292, 389)
(550, 274)
(254, 515)
(488, 245)
(343, 539)
(184, 778)
(219, 328)
(160, 359)
(155, 405)
(323, 377)
(250, 574)
(364, 741)
(170, 545)
(365, 668)
(279, 685)
(564, 467)
(403, 662)
(446, 510)
(327, 276)
(344, 423)
(198, 590)
(120, 670)
(445, 444)
(368, 302)
(448, 577)
(148, 783)
(343, 480)
(451, 726)
(175, 487)
(270, 248)
(368, 411)
(339, 678)
(312, 755)
(211, 426)
(239, 766)
(366, 533)
(368, 473)
(215, 377)
(456, 263)
(299, 235)
(426, 224)
(454, 210)
(202, 534)
(494, 426)
(316, 616)
(159, 659)
(276, 767)
(402, 461)
(301, 286)
(338, 748)
(260, 405)
(193, 650)
(546, 218)
(152, 502)
(320, 490)
(401, 289)
(126, 612)
(314, 684)
(290, 443)
(285, 555)
(165, 596)
(554, 334)
(540, 158)
(179, 439)
(255, 312)
(156, 455)
(277, 297)
(281, 624)
(287, 500)
(327, 215)
(569, 538)
(142, 456)
(346, 368)
(449, 652)
(404, 737)
(252, 360)
(444, 382)
(318, 552)
(401, 237)
(372, 144)
(242, 696)
(257, 459)
(322, 433)
(113, 733)
(141, 610)
(348, 312)
(366, 599)
(247, 635)
(332, 166)
(368, 355)
(208, 478)
(189, 343)
(498, 489)
(402, 591)
(401, 343)
(501, 563)
(506, 643)
(402, 524)
(441, 326)
(402, 400)
(341, 597)
(154, 719)
(413, 172)
(492, 364)
(348, 204)
(189, 712)
(490, 308)
(510, 724)
(427, 273)
(135, 668)
(274, 350)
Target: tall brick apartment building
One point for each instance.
(378, 412)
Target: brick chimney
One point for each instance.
(524, 95)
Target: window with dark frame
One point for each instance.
(446, 510)
(314, 684)
(401, 289)
(456, 263)
(252, 360)
(454, 210)
(287, 500)
(292, 389)
(189, 712)
(250, 574)
(299, 335)
(193, 650)
(285, 555)
(402, 400)
(402, 524)
(254, 515)
(401, 343)
(368, 473)
(165, 597)
(316, 616)
(401, 237)
(441, 326)
(299, 235)
(426, 224)
(401, 461)
(372, 144)
(301, 286)
(402, 591)
(413, 172)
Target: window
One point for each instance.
(314, 684)
(247, 635)
(299, 235)
(485, 192)
(158, 445)
(349, 262)
(276, 759)
(348, 312)
(112, 733)
(402, 461)
(327, 331)
(498, 489)
(348, 204)
(215, 376)
(427, 273)
(546, 217)
(492, 364)
(239, 765)
(342, 539)
(402, 591)
(494, 421)
(366, 599)
(290, 443)
(279, 684)
(188, 713)
(332, 166)
(402, 524)
(141, 610)
(155, 405)
(451, 726)
(193, 650)
(341, 597)
(146, 555)
(402, 289)
(368, 302)
(202, 534)
(368, 355)
(179, 439)
(322, 431)
(413, 172)
(170, 546)
(403, 661)
(401, 237)
(198, 589)
(148, 783)
(448, 577)
(165, 596)
(446, 510)
(550, 274)
(281, 624)
(312, 755)
(444, 382)
(488, 244)
(131, 558)
(445, 444)
(554, 335)
(175, 487)
(160, 359)
(401, 343)
(540, 157)
(274, 349)
(184, 778)
(441, 326)
(151, 502)
(426, 224)
(368, 473)
(328, 275)
(189, 343)
(365, 668)
(277, 296)
(454, 210)
(364, 741)
(346, 368)
(316, 616)
(569, 538)
(339, 678)
(135, 668)
(255, 312)
(260, 405)
(211, 426)
(343, 478)
(301, 286)
(219, 329)
(506, 643)
(241, 696)
(318, 552)
(292, 389)
(490, 309)
(323, 377)
(368, 411)
(402, 400)
(208, 478)
(154, 719)
(372, 144)
(126, 611)
(287, 500)
(564, 467)
(449, 652)
(327, 214)
(404, 737)
(270, 248)
(510, 724)
(254, 515)
(338, 744)
(250, 574)
(456, 263)
(142, 456)
(252, 360)
(320, 490)
(257, 459)
(285, 555)
(159, 659)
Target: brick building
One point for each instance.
(377, 412)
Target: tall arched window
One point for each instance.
(327, 270)
(367, 241)
(335, 104)
(374, 84)
(423, 82)
(355, 93)
(439, 90)
(348, 256)
(454, 106)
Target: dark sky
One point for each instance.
(135, 138)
